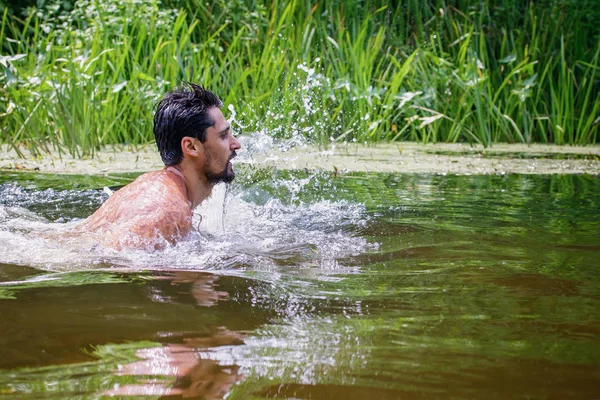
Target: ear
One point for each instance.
(190, 146)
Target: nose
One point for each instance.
(235, 144)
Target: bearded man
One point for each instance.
(196, 145)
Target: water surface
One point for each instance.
(310, 286)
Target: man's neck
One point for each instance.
(198, 189)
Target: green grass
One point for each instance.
(474, 71)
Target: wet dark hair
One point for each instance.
(182, 112)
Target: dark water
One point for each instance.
(437, 288)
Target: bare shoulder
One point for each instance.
(152, 208)
(153, 198)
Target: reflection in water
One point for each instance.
(202, 287)
(194, 376)
(155, 305)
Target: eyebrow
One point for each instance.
(225, 130)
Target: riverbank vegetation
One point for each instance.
(76, 76)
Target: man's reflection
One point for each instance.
(200, 285)
(195, 375)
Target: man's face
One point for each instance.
(219, 149)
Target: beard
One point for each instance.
(226, 175)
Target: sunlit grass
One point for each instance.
(341, 71)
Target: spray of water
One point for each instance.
(235, 229)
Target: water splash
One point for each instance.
(235, 231)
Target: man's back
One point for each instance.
(149, 213)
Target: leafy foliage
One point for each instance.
(82, 75)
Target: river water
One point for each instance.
(301, 285)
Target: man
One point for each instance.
(196, 145)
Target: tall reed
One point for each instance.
(467, 70)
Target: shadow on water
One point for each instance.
(313, 286)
